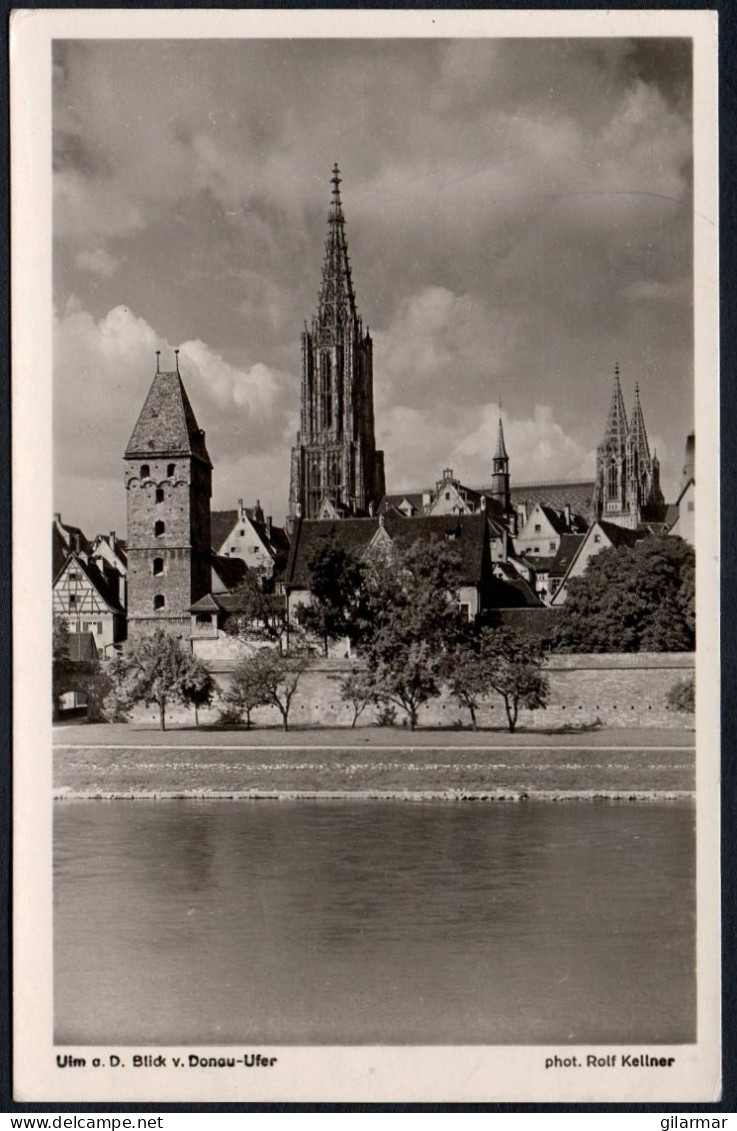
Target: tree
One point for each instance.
(682, 696)
(358, 690)
(59, 661)
(632, 599)
(412, 622)
(158, 670)
(337, 589)
(247, 690)
(278, 674)
(503, 661)
(261, 613)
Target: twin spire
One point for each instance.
(158, 360)
(618, 431)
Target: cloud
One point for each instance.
(102, 372)
(97, 261)
(419, 443)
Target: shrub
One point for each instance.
(682, 696)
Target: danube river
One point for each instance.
(191, 922)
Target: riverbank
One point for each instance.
(128, 762)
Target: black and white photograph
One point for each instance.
(366, 368)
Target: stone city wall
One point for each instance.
(585, 690)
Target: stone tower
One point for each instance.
(168, 479)
(500, 471)
(627, 476)
(336, 468)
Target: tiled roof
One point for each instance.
(569, 547)
(413, 497)
(101, 583)
(167, 424)
(466, 534)
(577, 494)
(538, 563)
(221, 524)
(230, 571)
(619, 535)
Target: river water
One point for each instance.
(373, 922)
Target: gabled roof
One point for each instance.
(538, 563)
(569, 547)
(167, 425)
(577, 494)
(412, 497)
(466, 533)
(228, 571)
(106, 589)
(619, 535)
(221, 524)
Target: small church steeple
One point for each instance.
(500, 468)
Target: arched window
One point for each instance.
(159, 528)
(145, 471)
(158, 566)
(170, 469)
(159, 494)
(159, 601)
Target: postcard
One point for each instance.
(365, 745)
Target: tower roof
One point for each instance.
(501, 448)
(337, 297)
(615, 434)
(167, 424)
(638, 432)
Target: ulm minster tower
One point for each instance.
(627, 476)
(336, 470)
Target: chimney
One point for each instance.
(77, 543)
(57, 517)
(567, 514)
(483, 502)
(112, 539)
(426, 498)
(268, 526)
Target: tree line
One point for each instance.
(401, 613)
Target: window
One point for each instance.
(597, 537)
(447, 494)
(466, 611)
(145, 471)
(159, 601)
(85, 626)
(538, 527)
(536, 550)
(159, 494)
(159, 528)
(552, 545)
(254, 549)
(73, 576)
(170, 469)
(204, 619)
(158, 566)
(326, 392)
(241, 533)
(72, 600)
(99, 628)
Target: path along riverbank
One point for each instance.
(129, 762)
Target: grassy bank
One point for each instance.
(124, 761)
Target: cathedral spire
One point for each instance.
(616, 431)
(638, 432)
(337, 298)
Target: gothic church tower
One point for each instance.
(168, 480)
(336, 468)
(627, 476)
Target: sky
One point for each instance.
(519, 219)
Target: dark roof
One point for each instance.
(577, 494)
(569, 547)
(59, 552)
(167, 424)
(221, 524)
(467, 534)
(538, 563)
(619, 535)
(513, 594)
(390, 501)
(231, 571)
(222, 602)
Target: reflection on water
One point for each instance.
(369, 922)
